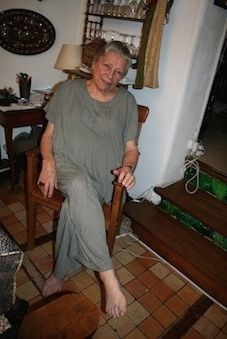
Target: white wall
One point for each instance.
(189, 54)
(67, 18)
(190, 49)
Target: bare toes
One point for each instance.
(52, 286)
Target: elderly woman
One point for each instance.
(90, 137)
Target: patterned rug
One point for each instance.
(12, 310)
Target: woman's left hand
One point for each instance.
(125, 176)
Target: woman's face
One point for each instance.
(108, 70)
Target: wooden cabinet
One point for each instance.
(100, 13)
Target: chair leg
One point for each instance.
(113, 232)
(31, 224)
(55, 220)
(115, 216)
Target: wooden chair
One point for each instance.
(34, 197)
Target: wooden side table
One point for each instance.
(11, 119)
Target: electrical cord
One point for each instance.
(150, 195)
(192, 164)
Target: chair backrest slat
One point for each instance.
(143, 112)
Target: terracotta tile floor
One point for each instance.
(157, 296)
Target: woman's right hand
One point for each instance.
(48, 178)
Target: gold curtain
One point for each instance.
(148, 60)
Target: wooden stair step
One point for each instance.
(196, 257)
(213, 172)
(201, 205)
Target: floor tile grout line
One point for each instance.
(33, 272)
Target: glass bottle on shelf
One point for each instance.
(95, 6)
(140, 12)
(133, 5)
(115, 8)
(102, 7)
(131, 45)
(118, 4)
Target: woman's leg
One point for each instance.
(82, 219)
(81, 237)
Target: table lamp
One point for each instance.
(69, 57)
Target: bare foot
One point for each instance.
(115, 299)
(52, 285)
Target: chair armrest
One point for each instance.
(33, 152)
(118, 192)
(32, 167)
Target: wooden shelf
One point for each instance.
(114, 17)
(94, 22)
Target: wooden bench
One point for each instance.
(69, 316)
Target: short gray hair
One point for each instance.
(118, 47)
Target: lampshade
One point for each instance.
(69, 57)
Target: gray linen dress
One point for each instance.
(89, 141)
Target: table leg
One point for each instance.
(10, 152)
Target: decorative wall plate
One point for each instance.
(25, 32)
